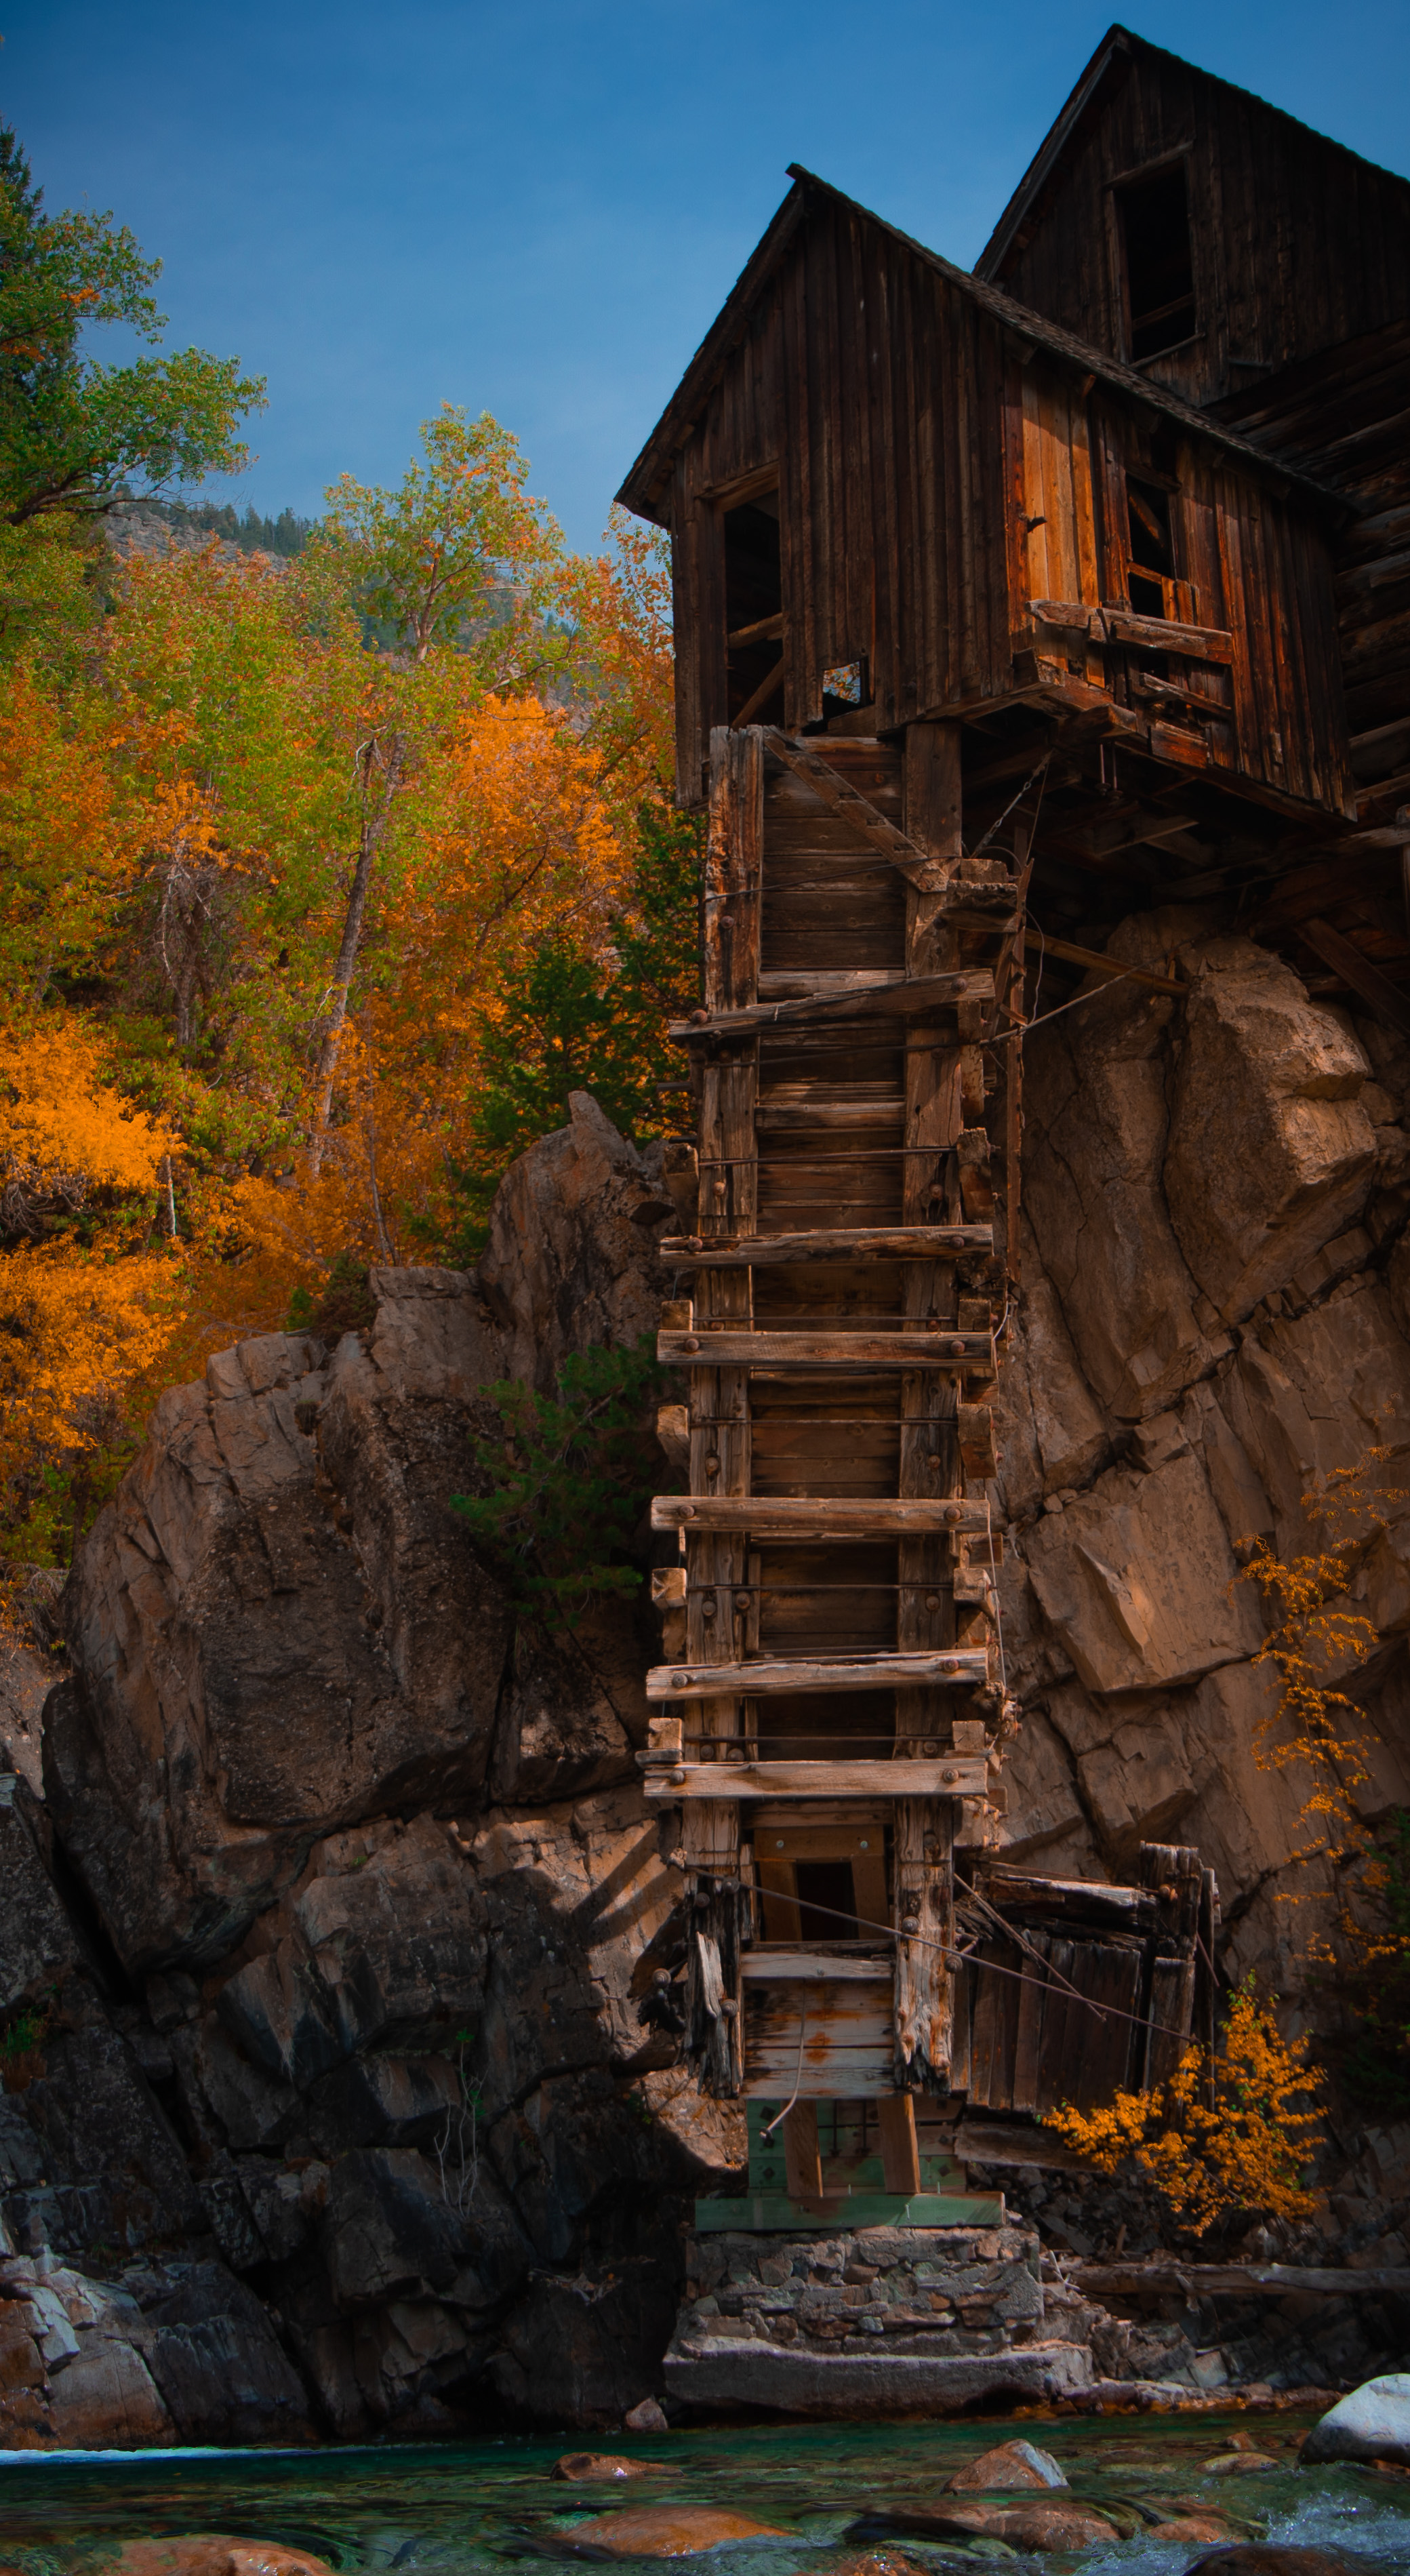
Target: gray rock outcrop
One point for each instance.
(329, 2108)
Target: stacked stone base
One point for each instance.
(877, 2321)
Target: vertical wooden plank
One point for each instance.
(900, 2153)
(802, 2156)
(1028, 2035)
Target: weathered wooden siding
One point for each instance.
(934, 476)
(1298, 244)
(876, 386)
(1342, 417)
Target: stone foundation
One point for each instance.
(879, 2321)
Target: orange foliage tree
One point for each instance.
(280, 840)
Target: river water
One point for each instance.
(472, 2509)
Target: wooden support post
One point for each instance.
(802, 2156)
(719, 1398)
(900, 2153)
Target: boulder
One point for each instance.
(1134, 1576)
(1373, 2423)
(1269, 1153)
(648, 2417)
(1010, 2464)
(571, 1257)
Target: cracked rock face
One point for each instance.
(1213, 1317)
(336, 1920)
(340, 1905)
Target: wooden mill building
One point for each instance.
(1006, 604)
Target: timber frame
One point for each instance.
(999, 619)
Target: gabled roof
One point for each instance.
(645, 484)
(1118, 47)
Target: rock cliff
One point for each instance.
(329, 2107)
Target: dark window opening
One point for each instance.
(753, 602)
(827, 1905)
(1152, 549)
(1160, 270)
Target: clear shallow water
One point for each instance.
(471, 2509)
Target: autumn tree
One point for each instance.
(72, 430)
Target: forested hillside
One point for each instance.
(325, 872)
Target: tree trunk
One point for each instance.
(375, 817)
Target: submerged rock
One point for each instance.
(1022, 2526)
(1010, 2464)
(1271, 2558)
(205, 2554)
(1373, 2423)
(665, 2531)
(591, 2468)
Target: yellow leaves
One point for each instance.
(65, 1129)
(1318, 1638)
(76, 1330)
(1215, 2141)
(519, 842)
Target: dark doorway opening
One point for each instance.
(826, 1903)
(1160, 269)
(753, 607)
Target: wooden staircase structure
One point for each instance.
(832, 1712)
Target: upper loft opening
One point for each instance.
(1154, 219)
(753, 605)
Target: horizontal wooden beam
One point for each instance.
(1387, 1002)
(903, 997)
(728, 1349)
(820, 1516)
(827, 1243)
(957, 1776)
(811, 1967)
(1235, 2280)
(1099, 965)
(965, 1665)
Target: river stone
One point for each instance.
(1022, 2526)
(648, 2417)
(667, 2531)
(1009, 2464)
(1188, 2527)
(206, 2554)
(587, 2468)
(1373, 2423)
(1270, 2558)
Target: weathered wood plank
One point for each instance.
(817, 1516)
(810, 1967)
(827, 1243)
(1043, 945)
(901, 997)
(965, 1665)
(724, 1348)
(900, 2154)
(949, 1776)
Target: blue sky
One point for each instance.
(538, 211)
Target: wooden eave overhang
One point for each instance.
(1119, 47)
(646, 485)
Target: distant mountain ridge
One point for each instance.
(141, 526)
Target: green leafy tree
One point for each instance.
(569, 1479)
(459, 553)
(570, 1022)
(72, 431)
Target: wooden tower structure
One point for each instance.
(989, 625)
